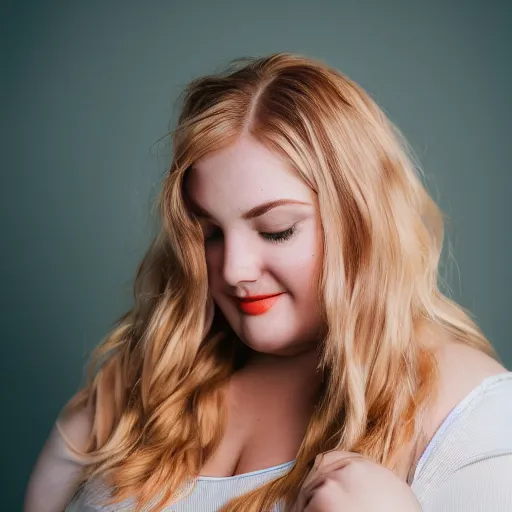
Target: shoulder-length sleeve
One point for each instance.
(482, 486)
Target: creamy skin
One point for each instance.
(277, 251)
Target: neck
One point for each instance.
(297, 375)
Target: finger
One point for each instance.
(325, 460)
(309, 488)
(332, 455)
(331, 459)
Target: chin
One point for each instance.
(272, 344)
(272, 336)
(272, 349)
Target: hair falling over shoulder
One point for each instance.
(156, 382)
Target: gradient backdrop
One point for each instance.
(87, 90)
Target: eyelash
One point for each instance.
(281, 236)
(274, 238)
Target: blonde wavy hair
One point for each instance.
(156, 383)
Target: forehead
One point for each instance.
(246, 174)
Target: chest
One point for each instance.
(265, 428)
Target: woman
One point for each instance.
(289, 348)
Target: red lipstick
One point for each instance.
(257, 304)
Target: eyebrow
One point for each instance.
(257, 211)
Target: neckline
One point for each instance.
(248, 474)
(452, 416)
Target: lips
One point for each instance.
(257, 304)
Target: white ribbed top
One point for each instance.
(467, 466)
(208, 495)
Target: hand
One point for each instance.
(343, 481)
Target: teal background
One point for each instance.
(88, 88)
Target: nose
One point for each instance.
(241, 260)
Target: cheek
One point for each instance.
(299, 268)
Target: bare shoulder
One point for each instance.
(76, 427)
(54, 478)
(461, 370)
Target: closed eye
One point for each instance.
(280, 236)
(276, 237)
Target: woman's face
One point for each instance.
(262, 237)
